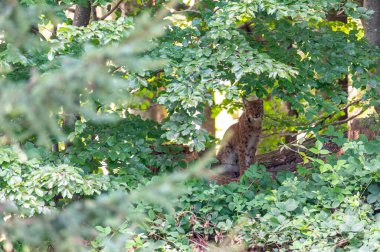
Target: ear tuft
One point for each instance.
(245, 102)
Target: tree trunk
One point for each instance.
(372, 30)
(372, 25)
(372, 33)
(287, 107)
(209, 123)
(82, 17)
(82, 14)
(364, 126)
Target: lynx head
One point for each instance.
(254, 109)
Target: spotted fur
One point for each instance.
(240, 141)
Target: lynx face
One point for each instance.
(254, 110)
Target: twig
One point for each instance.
(35, 30)
(280, 134)
(342, 109)
(187, 10)
(112, 10)
(348, 119)
(216, 9)
(316, 122)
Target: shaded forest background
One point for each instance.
(110, 112)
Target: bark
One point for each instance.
(209, 123)
(372, 25)
(372, 33)
(363, 126)
(82, 14)
(287, 107)
(372, 30)
(82, 17)
(287, 160)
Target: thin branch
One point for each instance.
(323, 126)
(36, 31)
(54, 32)
(281, 134)
(112, 10)
(349, 119)
(216, 9)
(342, 109)
(316, 122)
(187, 10)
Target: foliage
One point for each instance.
(115, 182)
(26, 102)
(334, 205)
(322, 210)
(124, 147)
(288, 53)
(37, 187)
(77, 224)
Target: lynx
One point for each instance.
(240, 140)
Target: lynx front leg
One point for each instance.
(246, 158)
(243, 166)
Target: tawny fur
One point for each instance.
(240, 141)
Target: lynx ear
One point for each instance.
(245, 102)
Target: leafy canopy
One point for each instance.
(74, 87)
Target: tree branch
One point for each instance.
(349, 118)
(112, 10)
(322, 120)
(316, 122)
(34, 29)
(292, 134)
(187, 10)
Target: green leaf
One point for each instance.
(324, 152)
(291, 205)
(372, 198)
(107, 230)
(325, 167)
(313, 150)
(357, 227)
(319, 145)
(100, 229)
(374, 189)
(39, 192)
(151, 214)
